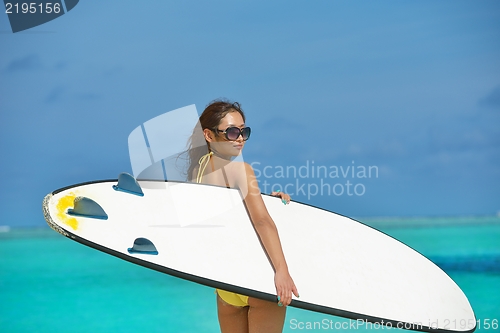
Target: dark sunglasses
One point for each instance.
(233, 133)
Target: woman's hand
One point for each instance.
(285, 198)
(284, 287)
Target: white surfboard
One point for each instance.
(202, 233)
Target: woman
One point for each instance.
(225, 134)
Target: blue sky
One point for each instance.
(411, 87)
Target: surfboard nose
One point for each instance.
(143, 246)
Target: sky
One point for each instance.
(407, 89)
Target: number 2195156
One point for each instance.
(32, 8)
(484, 324)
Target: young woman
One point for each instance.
(225, 135)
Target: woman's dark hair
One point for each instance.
(216, 110)
(210, 118)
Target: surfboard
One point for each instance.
(202, 233)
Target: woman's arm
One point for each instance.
(268, 233)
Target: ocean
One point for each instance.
(49, 283)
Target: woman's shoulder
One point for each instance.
(241, 174)
(240, 166)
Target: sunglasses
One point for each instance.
(233, 133)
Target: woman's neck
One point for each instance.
(224, 158)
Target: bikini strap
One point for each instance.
(203, 162)
(225, 177)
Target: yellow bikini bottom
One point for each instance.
(233, 298)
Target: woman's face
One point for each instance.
(224, 146)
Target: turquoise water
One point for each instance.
(51, 284)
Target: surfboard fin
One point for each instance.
(143, 246)
(128, 184)
(86, 207)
